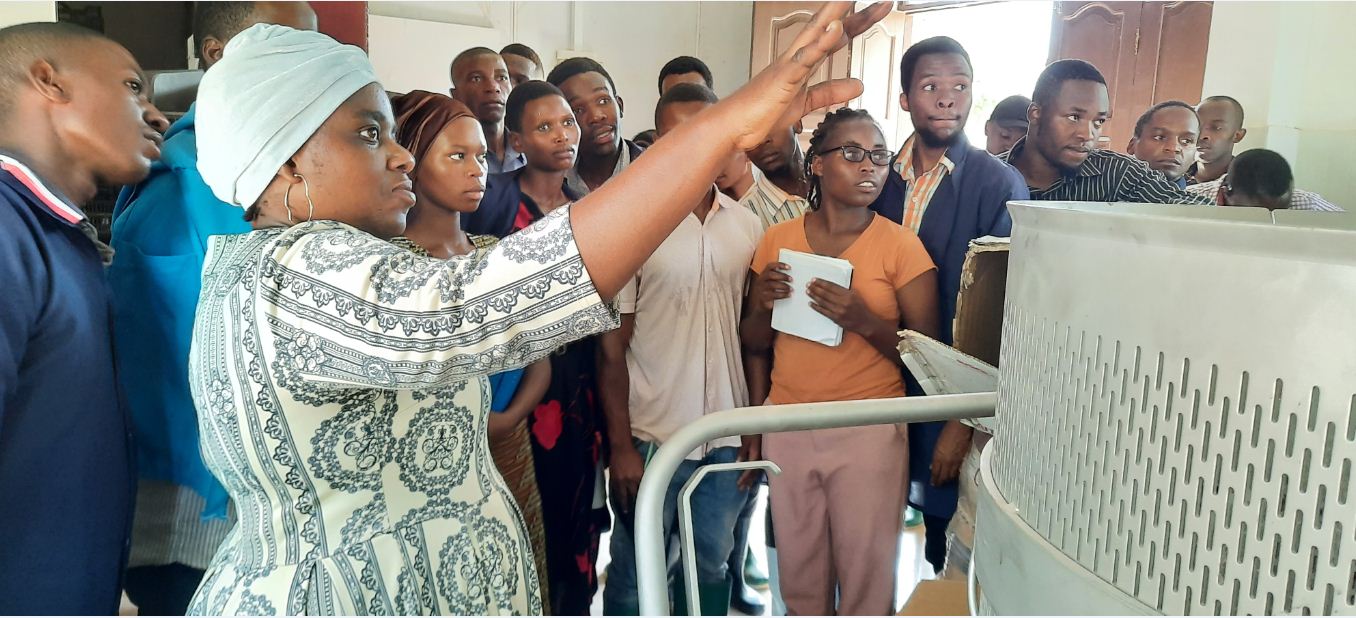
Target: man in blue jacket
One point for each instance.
(950, 193)
(160, 232)
(73, 114)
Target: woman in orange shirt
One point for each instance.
(838, 503)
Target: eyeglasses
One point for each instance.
(855, 154)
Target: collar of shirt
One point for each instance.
(1093, 165)
(576, 182)
(51, 201)
(55, 205)
(904, 162)
(501, 166)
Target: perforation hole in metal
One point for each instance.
(1193, 489)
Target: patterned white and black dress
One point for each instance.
(341, 396)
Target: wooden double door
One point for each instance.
(1149, 52)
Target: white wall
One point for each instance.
(412, 43)
(12, 13)
(1291, 65)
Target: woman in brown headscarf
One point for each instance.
(449, 179)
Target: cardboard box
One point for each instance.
(937, 598)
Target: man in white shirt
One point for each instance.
(677, 357)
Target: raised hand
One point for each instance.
(778, 97)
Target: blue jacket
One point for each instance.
(66, 478)
(160, 231)
(499, 208)
(970, 202)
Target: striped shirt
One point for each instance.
(770, 202)
(1299, 198)
(921, 187)
(1107, 176)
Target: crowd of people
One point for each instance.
(353, 351)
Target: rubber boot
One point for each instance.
(715, 598)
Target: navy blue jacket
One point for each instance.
(499, 208)
(970, 202)
(66, 482)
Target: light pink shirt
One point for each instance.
(684, 358)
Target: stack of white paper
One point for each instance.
(793, 315)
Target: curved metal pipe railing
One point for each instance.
(651, 566)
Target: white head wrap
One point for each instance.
(270, 92)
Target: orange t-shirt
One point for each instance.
(884, 259)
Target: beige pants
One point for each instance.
(836, 509)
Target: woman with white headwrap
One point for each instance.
(340, 380)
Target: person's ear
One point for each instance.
(1033, 118)
(211, 50)
(45, 79)
(904, 101)
(288, 172)
(1130, 146)
(1220, 199)
(621, 108)
(515, 141)
(1239, 135)
(817, 166)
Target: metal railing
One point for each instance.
(651, 565)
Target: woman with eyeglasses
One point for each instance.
(837, 505)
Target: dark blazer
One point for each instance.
(499, 208)
(971, 202)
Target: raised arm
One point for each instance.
(655, 199)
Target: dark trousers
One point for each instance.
(741, 540)
(934, 540)
(162, 590)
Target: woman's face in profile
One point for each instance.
(358, 174)
(452, 172)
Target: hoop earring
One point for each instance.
(306, 187)
(287, 203)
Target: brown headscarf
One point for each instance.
(420, 116)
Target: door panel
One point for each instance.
(1182, 33)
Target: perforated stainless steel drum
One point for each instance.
(1177, 414)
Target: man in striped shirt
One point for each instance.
(1059, 156)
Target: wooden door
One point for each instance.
(1179, 35)
(344, 20)
(875, 61)
(1148, 52)
(775, 26)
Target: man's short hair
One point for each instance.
(1053, 77)
(578, 66)
(934, 45)
(1260, 173)
(686, 64)
(520, 96)
(219, 20)
(518, 49)
(1238, 107)
(1149, 114)
(685, 92)
(23, 44)
(474, 52)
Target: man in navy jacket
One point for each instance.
(73, 113)
(949, 193)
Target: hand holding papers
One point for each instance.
(793, 315)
